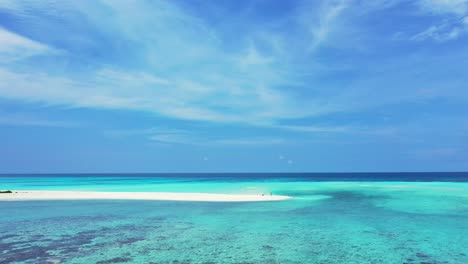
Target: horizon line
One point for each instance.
(152, 173)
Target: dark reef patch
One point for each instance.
(267, 247)
(7, 236)
(23, 254)
(421, 255)
(130, 240)
(115, 260)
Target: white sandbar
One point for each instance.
(27, 195)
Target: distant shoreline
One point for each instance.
(35, 195)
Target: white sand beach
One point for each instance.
(31, 195)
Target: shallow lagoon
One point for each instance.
(326, 222)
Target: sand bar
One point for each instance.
(29, 195)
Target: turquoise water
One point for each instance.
(347, 220)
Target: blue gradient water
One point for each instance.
(333, 218)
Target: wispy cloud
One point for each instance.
(253, 57)
(310, 128)
(320, 24)
(171, 136)
(185, 70)
(175, 139)
(447, 30)
(187, 139)
(144, 131)
(457, 7)
(172, 139)
(30, 120)
(185, 74)
(250, 141)
(161, 59)
(453, 23)
(182, 99)
(15, 47)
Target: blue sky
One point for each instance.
(233, 86)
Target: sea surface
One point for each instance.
(333, 218)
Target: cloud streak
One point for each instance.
(15, 47)
(321, 29)
(171, 136)
(446, 31)
(186, 74)
(30, 120)
(162, 59)
(454, 20)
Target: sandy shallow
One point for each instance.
(30, 195)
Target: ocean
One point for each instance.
(332, 218)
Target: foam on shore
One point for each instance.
(30, 195)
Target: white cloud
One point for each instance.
(188, 139)
(318, 129)
(453, 15)
(116, 77)
(377, 4)
(29, 120)
(253, 57)
(457, 7)
(320, 29)
(145, 131)
(173, 139)
(450, 30)
(15, 47)
(171, 136)
(250, 141)
(10, 4)
(185, 74)
(124, 90)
